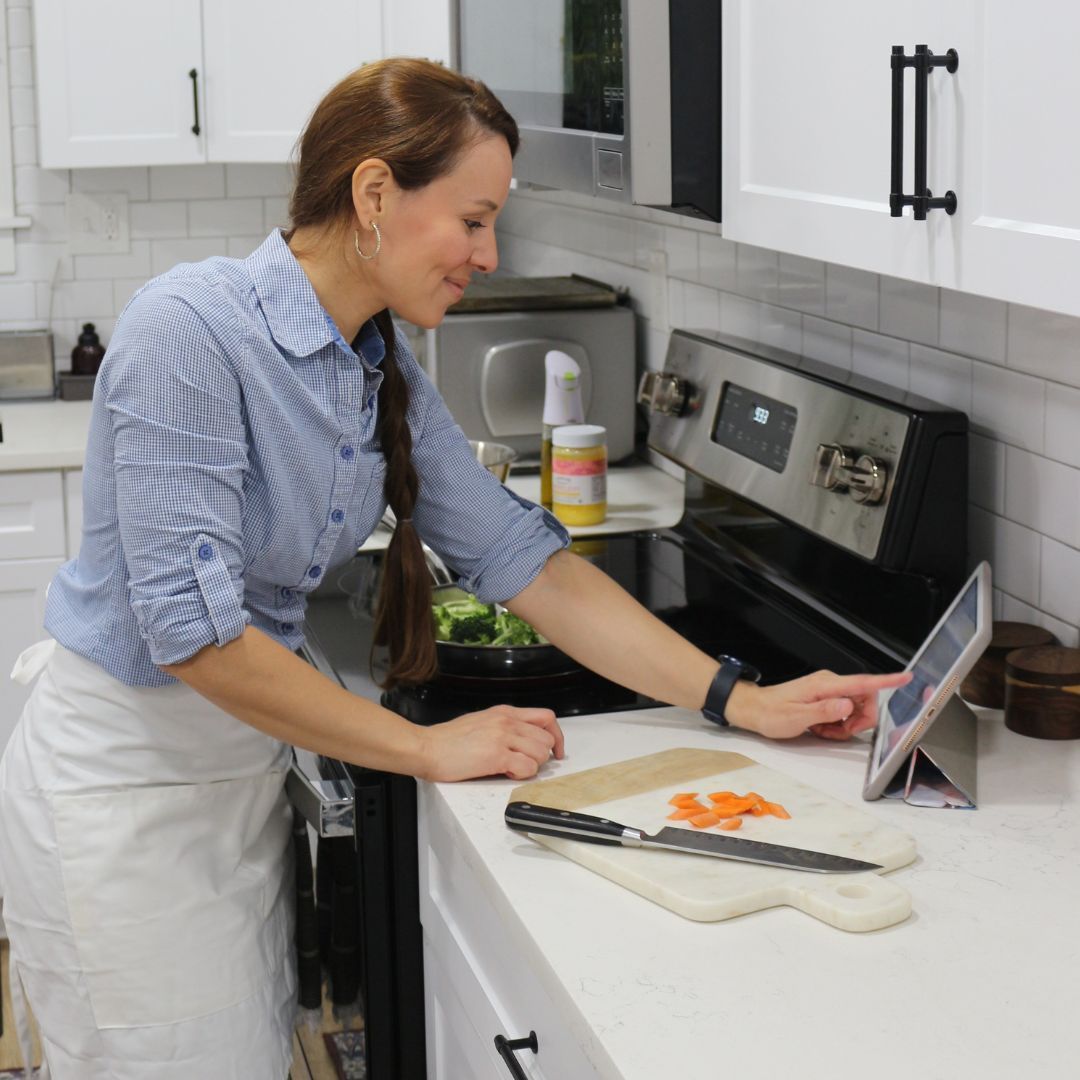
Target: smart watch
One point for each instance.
(732, 669)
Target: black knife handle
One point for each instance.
(529, 817)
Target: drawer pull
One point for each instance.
(506, 1048)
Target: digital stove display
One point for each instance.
(755, 426)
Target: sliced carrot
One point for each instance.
(682, 796)
(758, 809)
(754, 795)
(720, 796)
(703, 821)
(777, 810)
(730, 824)
(685, 813)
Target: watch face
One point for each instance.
(746, 671)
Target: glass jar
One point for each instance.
(579, 474)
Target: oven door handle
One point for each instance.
(328, 806)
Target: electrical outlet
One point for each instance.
(98, 223)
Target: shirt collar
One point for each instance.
(297, 321)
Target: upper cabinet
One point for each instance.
(150, 82)
(809, 149)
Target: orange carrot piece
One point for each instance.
(754, 795)
(720, 796)
(684, 813)
(681, 797)
(758, 809)
(730, 824)
(703, 821)
(777, 810)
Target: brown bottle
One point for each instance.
(86, 357)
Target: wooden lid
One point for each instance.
(1049, 665)
(1018, 635)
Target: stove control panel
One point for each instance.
(807, 442)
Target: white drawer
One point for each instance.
(502, 995)
(31, 515)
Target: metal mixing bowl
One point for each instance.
(495, 457)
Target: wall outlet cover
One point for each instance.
(98, 223)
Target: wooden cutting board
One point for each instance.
(635, 792)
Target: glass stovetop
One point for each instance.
(680, 586)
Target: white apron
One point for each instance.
(145, 865)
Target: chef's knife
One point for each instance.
(531, 818)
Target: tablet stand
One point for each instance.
(944, 762)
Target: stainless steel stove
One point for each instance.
(825, 528)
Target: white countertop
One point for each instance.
(43, 434)
(640, 496)
(980, 982)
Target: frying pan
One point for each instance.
(496, 661)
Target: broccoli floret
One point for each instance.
(510, 630)
(473, 630)
(443, 621)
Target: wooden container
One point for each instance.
(985, 684)
(1042, 692)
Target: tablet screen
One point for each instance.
(929, 670)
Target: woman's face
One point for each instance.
(435, 238)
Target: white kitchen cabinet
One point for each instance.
(807, 119)
(477, 983)
(115, 83)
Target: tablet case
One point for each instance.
(944, 761)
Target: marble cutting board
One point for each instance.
(635, 792)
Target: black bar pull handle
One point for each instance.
(922, 201)
(506, 1048)
(193, 75)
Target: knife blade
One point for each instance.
(549, 821)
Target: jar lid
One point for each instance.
(579, 435)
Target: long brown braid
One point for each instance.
(419, 118)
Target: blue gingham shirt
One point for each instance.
(232, 462)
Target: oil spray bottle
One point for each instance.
(562, 405)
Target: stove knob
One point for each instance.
(831, 464)
(665, 393)
(867, 480)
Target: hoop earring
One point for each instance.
(378, 242)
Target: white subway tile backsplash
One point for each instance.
(48, 223)
(275, 214)
(1043, 494)
(165, 254)
(701, 307)
(79, 300)
(681, 246)
(133, 182)
(21, 62)
(17, 301)
(38, 262)
(1063, 424)
(717, 262)
(942, 377)
(1060, 574)
(1011, 549)
(134, 263)
(19, 28)
(878, 357)
(246, 179)
(23, 110)
(225, 217)
(1044, 343)
(158, 220)
(758, 271)
(740, 316)
(240, 247)
(909, 310)
(851, 296)
(827, 341)
(40, 186)
(801, 284)
(1015, 610)
(187, 181)
(986, 473)
(648, 244)
(24, 149)
(973, 325)
(780, 328)
(1008, 405)
(124, 289)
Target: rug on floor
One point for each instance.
(347, 1051)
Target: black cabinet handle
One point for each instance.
(923, 61)
(506, 1048)
(194, 76)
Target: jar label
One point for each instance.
(579, 488)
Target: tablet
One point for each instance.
(943, 659)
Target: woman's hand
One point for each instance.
(831, 706)
(503, 740)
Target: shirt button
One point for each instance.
(347, 453)
(286, 594)
(338, 516)
(315, 571)
(205, 552)
(287, 627)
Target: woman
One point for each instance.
(250, 422)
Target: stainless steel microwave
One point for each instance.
(615, 98)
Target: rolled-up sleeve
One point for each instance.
(496, 541)
(181, 452)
